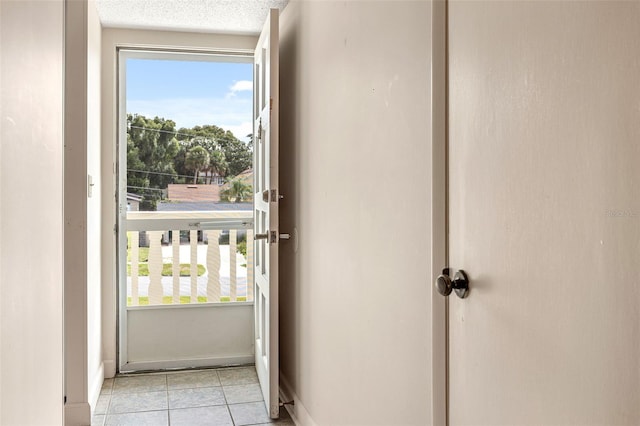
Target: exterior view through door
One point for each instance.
(198, 179)
(543, 212)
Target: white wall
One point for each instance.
(31, 230)
(94, 206)
(111, 39)
(356, 174)
(158, 338)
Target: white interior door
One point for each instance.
(544, 213)
(266, 215)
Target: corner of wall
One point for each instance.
(76, 414)
(95, 386)
(294, 405)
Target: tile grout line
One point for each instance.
(166, 384)
(233, 421)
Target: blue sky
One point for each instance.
(192, 93)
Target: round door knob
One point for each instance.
(443, 285)
(459, 284)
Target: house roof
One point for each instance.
(193, 193)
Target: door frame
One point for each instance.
(439, 210)
(113, 39)
(122, 53)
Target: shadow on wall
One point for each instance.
(289, 187)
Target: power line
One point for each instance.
(216, 177)
(164, 131)
(178, 133)
(146, 189)
(164, 174)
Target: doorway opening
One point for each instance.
(185, 210)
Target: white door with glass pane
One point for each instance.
(544, 212)
(266, 198)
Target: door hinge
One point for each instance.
(115, 228)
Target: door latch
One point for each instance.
(271, 196)
(272, 237)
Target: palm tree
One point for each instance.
(218, 164)
(196, 160)
(237, 190)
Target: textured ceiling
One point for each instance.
(214, 16)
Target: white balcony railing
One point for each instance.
(185, 257)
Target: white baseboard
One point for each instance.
(77, 414)
(187, 363)
(109, 368)
(95, 385)
(297, 411)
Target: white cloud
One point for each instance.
(229, 113)
(240, 86)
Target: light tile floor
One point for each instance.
(220, 397)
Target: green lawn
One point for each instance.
(167, 270)
(143, 254)
(168, 300)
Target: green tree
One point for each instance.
(151, 149)
(179, 161)
(238, 154)
(136, 181)
(238, 190)
(197, 159)
(218, 163)
(250, 143)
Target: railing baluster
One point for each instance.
(250, 266)
(233, 264)
(155, 268)
(175, 270)
(177, 289)
(193, 241)
(213, 266)
(134, 240)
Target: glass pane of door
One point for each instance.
(186, 200)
